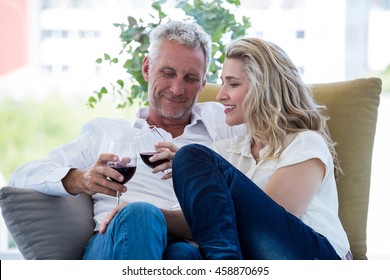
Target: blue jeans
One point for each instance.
(138, 232)
(231, 218)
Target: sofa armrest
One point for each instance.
(47, 227)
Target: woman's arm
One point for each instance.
(294, 186)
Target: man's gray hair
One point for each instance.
(189, 34)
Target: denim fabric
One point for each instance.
(138, 232)
(232, 218)
(179, 249)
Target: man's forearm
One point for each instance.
(73, 181)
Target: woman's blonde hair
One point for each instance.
(278, 101)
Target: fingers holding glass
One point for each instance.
(126, 164)
(146, 147)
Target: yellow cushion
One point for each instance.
(352, 107)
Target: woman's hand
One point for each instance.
(166, 151)
(111, 216)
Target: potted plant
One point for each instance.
(214, 16)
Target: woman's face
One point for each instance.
(233, 91)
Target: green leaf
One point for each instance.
(102, 91)
(247, 22)
(92, 99)
(120, 82)
(132, 21)
(99, 60)
(107, 57)
(181, 4)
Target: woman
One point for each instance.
(270, 194)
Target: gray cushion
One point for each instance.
(47, 227)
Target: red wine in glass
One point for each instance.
(127, 171)
(145, 141)
(126, 163)
(145, 158)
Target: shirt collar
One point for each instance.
(140, 118)
(242, 146)
(143, 113)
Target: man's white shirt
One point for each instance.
(207, 126)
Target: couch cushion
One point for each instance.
(67, 223)
(353, 107)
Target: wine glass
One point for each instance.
(145, 144)
(126, 163)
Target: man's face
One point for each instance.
(175, 77)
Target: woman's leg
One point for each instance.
(205, 199)
(268, 231)
(221, 203)
(138, 232)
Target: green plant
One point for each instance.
(214, 16)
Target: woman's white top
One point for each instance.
(322, 212)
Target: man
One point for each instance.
(175, 69)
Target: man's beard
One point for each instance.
(169, 115)
(178, 113)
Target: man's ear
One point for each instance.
(145, 68)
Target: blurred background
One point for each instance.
(48, 70)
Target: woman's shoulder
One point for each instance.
(308, 138)
(305, 145)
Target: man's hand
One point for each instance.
(111, 216)
(94, 179)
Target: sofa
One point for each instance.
(48, 227)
